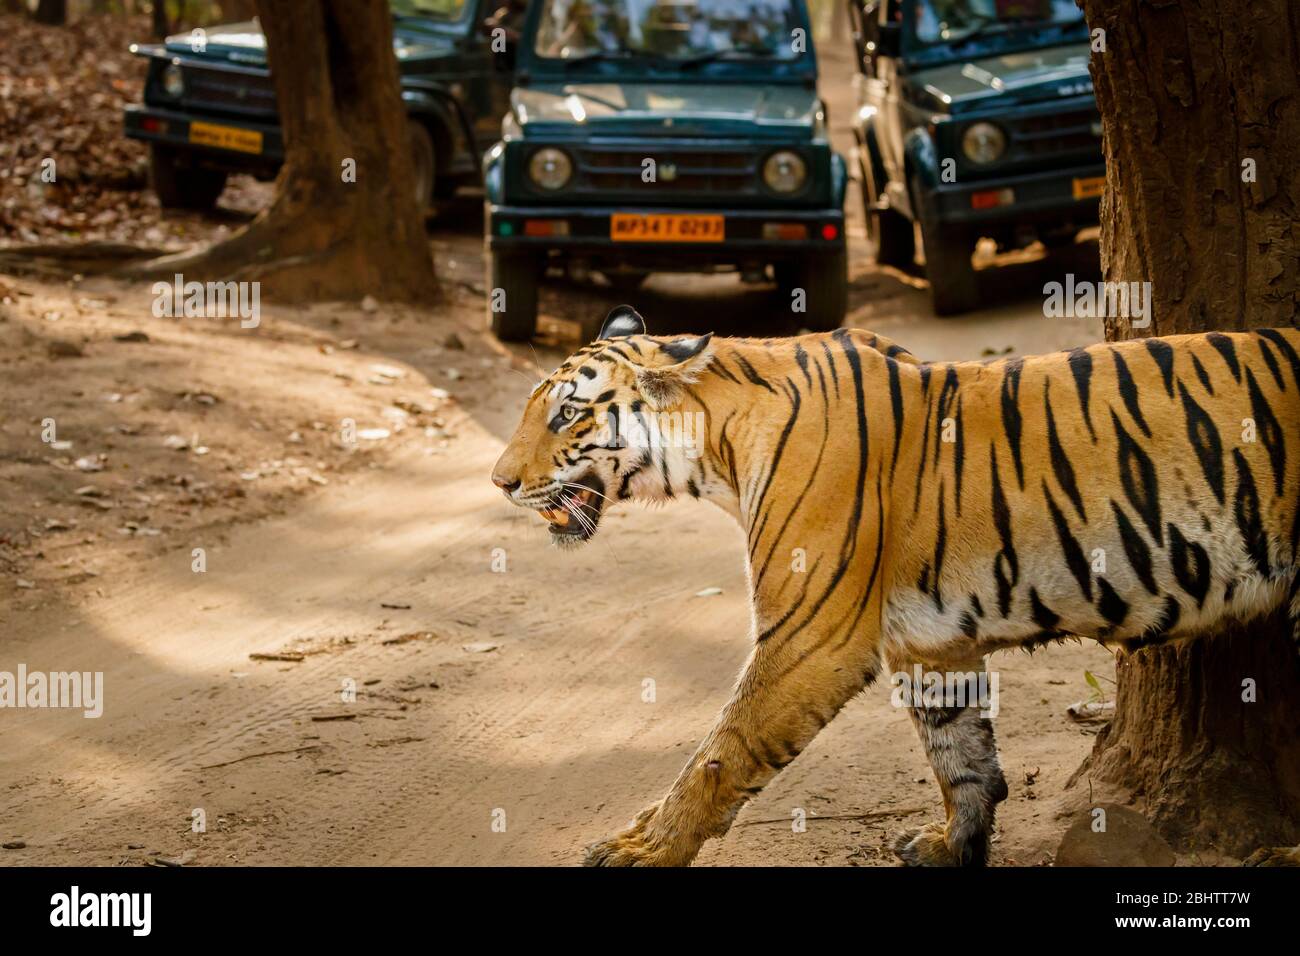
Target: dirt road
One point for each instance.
(501, 712)
(479, 692)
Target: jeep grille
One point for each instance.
(616, 172)
(1055, 134)
(235, 92)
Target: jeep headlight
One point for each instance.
(983, 143)
(173, 81)
(550, 168)
(785, 171)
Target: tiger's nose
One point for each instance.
(505, 484)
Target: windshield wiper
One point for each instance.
(990, 25)
(737, 52)
(622, 53)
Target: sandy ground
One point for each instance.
(482, 696)
(477, 691)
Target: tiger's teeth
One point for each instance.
(556, 516)
(562, 515)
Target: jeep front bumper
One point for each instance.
(750, 235)
(222, 143)
(1065, 194)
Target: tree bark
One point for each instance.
(1200, 104)
(235, 10)
(324, 236)
(52, 13)
(161, 27)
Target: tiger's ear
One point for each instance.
(663, 372)
(621, 322)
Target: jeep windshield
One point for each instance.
(953, 21)
(677, 32)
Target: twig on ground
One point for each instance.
(265, 753)
(860, 817)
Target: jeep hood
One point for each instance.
(669, 109)
(245, 44)
(1025, 77)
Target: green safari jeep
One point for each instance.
(976, 118)
(209, 101)
(665, 136)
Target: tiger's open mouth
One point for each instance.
(575, 512)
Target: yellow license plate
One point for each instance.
(636, 227)
(226, 137)
(1089, 188)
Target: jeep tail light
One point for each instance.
(830, 232)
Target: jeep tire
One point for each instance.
(424, 164)
(948, 249)
(824, 278)
(890, 235)
(181, 186)
(512, 294)
(953, 289)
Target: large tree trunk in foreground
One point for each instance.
(336, 84)
(1188, 93)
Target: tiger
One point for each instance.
(904, 514)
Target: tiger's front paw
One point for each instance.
(638, 845)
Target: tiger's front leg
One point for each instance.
(789, 690)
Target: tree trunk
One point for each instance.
(1200, 104)
(52, 13)
(160, 25)
(236, 10)
(344, 223)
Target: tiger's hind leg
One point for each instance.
(1294, 607)
(1282, 855)
(959, 744)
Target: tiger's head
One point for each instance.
(579, 448)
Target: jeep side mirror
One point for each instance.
(889, 39)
